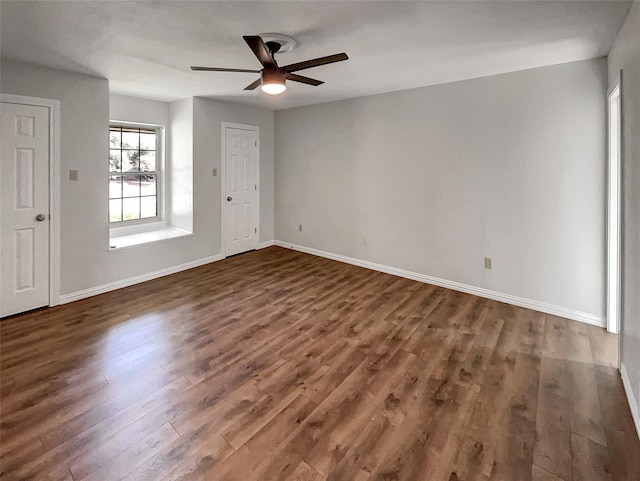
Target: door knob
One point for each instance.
(229, 199)
(41, 217)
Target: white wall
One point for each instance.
(132, 109)
(208, 117)
(625, 56)
(84, 105)
(180, 165)
(86, 262)
(510, 167)
(123, 108)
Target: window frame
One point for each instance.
(159, 173)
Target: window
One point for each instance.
(134, 173)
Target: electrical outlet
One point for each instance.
(299, 227)
(488, 263)
(215, 172)
(73, 175)
(365, 240)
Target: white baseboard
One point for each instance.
(112, 286)
(263, 245)
(633, 403)
(478, 291)
(456, 286)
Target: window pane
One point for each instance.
(115, 186)
(115, 161)
(147, 161)
(148, 184)
(148, 206)
(115, 210)
(114, 139)
(147, 141)
(133, 183)
(131, 208)
(130, 185)
(130, 161)
(130, 140)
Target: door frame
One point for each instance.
(223, 183)
(54, 185)
(614, 205)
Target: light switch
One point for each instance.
(73, 175)
(215, 172)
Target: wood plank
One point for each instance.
(278, 365)
(539, 474)
(189, 457)
(553, 427)
(304, 472)
(590, 460)
(121, 465)
(622, 440)
(586, 413)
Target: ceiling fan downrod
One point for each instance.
(273, 46)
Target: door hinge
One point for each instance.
(255, 186)
(256, 143)
(255, 229)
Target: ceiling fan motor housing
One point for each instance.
(273, 76)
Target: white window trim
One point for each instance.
(132, 233)
(160, 178)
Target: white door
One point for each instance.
(241, 190)
(24, 213)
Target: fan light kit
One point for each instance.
(273, 82)
(272, 77)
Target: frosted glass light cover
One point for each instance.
(274, 88)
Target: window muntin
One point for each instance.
(134, 173)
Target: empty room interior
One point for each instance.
(320, 240)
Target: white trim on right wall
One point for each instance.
(456, 286)
(614, 164)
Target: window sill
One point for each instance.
(123, 237)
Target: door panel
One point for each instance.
(24, 190)
(25, 252)
(241, 190)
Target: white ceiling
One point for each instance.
(145, 48)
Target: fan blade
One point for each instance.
(316, 62)
(257, 46)
(253, 85)
(216, 69)
(304, 80)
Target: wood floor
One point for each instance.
(277, 365)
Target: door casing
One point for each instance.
(223, 185)
(614, 164)
(54, 185)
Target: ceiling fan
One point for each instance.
(272, 77)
